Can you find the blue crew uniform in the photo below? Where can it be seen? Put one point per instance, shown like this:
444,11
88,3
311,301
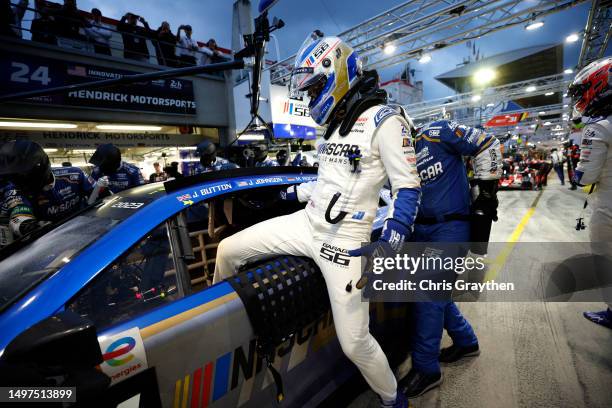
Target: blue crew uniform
267,163
68,194
443,217
218,165
127,176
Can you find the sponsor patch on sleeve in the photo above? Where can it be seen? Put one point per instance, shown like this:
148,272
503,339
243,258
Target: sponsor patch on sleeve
383,114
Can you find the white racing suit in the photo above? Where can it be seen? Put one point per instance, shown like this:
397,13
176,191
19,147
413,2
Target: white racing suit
595,166
383,138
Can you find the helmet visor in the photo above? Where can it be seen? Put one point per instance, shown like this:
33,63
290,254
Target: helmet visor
302,76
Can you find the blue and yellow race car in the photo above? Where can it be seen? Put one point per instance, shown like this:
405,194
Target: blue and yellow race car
124,289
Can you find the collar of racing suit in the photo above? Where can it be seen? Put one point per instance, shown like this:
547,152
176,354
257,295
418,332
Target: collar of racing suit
362,97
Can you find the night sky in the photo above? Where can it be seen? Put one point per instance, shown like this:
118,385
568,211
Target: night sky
213,19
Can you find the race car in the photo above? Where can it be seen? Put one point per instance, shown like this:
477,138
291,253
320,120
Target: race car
118,301
517,175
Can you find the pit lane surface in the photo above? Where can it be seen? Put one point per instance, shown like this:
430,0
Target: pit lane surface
533,354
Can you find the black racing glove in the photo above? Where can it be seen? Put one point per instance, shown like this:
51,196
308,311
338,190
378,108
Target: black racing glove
486,198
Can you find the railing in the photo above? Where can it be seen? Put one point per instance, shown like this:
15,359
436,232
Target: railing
45,29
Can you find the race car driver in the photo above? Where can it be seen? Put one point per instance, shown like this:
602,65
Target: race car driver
209,161
444,215
591,90
363,146
112,172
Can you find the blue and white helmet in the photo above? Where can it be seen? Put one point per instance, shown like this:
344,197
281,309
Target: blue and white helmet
326,68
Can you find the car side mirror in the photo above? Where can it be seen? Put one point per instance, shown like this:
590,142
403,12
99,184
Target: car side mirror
65,339
62,350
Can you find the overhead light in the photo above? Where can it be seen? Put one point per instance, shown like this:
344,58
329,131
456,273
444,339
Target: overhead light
50,150
484,76
45,125
565,106
534,25
84,151
534,125
490,105
542,113
572,38
389,48
547,123
549,93
568,71
425,58
476,98
530,88
188,148
129,127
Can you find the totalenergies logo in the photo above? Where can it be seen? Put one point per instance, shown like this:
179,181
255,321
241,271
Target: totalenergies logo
119,348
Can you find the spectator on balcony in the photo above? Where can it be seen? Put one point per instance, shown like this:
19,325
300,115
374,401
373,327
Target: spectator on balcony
11,16
134,37
43,25
187,47
166,45
69,21
211,53
99,33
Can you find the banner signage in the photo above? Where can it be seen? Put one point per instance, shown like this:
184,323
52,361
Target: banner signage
20,73
511,119
89,140
291,117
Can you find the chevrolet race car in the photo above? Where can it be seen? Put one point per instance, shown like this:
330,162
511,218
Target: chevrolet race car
124,288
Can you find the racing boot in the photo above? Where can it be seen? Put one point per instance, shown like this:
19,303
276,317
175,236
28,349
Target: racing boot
400,402
455,353
603,318
417,383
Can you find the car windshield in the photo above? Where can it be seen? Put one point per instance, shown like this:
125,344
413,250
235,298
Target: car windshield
30,265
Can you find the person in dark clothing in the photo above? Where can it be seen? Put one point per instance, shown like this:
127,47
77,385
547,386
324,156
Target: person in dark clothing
134,37
166,46
69,21
172,170
7,18
43,25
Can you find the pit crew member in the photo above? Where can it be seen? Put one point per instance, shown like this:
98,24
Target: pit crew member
593,95
209,161
113,173
445,214
363,146
54,193
261,156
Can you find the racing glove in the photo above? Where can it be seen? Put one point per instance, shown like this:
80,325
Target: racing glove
486,201
393,236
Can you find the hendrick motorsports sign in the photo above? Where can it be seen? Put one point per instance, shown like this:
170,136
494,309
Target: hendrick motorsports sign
20,72
91,139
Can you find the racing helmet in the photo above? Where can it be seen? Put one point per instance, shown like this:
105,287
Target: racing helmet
107,158
207,152
326,68
591,90
26,164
